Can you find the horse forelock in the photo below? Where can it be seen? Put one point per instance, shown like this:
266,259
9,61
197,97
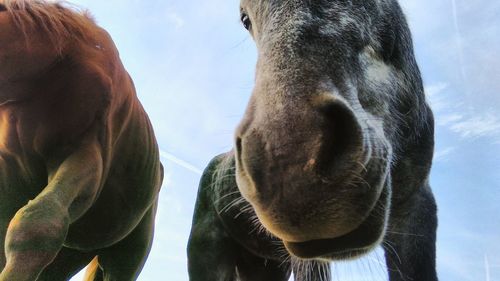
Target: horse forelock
60,21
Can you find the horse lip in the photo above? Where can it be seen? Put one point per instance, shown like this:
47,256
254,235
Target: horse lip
332,248
327,249
355,243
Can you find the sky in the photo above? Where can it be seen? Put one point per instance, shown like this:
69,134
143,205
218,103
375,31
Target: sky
193,66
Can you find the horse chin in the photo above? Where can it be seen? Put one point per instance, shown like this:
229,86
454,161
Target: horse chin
358,242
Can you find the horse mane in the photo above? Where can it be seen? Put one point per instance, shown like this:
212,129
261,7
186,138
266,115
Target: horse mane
60,21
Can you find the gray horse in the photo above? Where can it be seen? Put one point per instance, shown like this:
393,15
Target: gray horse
332,156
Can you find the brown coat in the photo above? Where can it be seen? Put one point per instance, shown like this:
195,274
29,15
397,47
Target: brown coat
75,140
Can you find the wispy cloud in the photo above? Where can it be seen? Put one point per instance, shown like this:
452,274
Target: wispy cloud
460,118
436,96
435,89
449,119
487,125
442,155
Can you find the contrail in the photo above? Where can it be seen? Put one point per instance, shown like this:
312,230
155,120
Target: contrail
459,39
487,267
180,162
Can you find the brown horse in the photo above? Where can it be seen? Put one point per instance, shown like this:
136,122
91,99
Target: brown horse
79,163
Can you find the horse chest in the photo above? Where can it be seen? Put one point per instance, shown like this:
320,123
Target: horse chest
18,127
21,174
9,140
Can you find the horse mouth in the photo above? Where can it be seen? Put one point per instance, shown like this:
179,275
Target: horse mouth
353,244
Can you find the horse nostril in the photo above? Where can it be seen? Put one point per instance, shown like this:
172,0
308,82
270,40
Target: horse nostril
239,149
2,8
342,136
238,145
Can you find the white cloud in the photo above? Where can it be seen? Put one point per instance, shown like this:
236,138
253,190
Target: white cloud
442,155
436,96
448,119
435,89
460,118
487,125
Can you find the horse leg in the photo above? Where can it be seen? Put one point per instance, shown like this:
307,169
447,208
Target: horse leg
38,230
3,228
94,271
34,237
409,244
67,263
211,258
252,268
211,251
125,260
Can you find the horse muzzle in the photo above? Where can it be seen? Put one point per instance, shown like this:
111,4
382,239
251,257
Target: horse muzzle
304,171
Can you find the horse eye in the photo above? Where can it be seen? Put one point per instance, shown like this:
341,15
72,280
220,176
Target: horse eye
245,19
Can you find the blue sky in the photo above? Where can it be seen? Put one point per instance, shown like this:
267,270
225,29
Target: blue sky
193,65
